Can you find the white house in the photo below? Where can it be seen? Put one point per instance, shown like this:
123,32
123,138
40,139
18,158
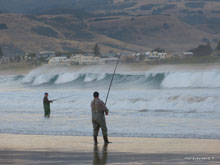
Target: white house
162,55
59,60
154,55
187,54
4,60
86,60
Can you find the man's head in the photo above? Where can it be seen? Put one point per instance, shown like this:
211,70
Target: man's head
46,94
96,94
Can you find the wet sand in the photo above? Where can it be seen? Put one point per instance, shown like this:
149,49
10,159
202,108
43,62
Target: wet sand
40,149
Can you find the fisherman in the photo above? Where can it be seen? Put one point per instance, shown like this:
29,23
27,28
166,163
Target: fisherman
47,105
99,110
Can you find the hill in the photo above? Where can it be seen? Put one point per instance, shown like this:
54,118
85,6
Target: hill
72,25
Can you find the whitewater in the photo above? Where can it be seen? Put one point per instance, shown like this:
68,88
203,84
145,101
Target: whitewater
180,102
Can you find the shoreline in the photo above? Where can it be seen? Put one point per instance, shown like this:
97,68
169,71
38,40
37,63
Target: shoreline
40,149
117,136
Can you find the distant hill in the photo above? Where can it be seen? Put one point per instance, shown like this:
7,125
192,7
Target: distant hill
25,33
41,6
76,25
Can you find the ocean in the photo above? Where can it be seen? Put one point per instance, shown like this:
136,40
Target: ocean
157,101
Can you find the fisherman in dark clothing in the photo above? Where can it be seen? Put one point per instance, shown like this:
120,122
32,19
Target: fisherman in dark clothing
47,105
99,110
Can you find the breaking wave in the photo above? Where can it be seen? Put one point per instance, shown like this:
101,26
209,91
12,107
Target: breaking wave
171,79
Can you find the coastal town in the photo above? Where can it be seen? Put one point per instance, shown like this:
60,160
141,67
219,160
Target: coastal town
52,58
95,57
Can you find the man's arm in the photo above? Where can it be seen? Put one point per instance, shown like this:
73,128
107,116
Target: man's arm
104,108
47,101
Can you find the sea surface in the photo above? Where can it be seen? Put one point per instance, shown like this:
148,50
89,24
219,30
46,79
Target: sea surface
161,101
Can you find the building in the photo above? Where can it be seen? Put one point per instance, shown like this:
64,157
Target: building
162,55
59,61
78,59
187,54
86,60
140,56
110,60
46,54
4,60
154,55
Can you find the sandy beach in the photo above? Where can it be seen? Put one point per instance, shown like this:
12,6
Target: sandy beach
42,149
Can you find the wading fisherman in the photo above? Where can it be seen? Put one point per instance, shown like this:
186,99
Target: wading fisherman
47,105
99,110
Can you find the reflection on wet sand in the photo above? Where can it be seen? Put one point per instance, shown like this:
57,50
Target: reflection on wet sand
100,159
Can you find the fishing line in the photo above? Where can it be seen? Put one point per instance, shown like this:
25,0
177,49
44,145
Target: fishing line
62,98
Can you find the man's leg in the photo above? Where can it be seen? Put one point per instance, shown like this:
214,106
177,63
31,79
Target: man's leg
45,112
48,112
96,127
104,130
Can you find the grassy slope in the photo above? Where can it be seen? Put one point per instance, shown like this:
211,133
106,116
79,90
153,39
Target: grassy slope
19,34
141,32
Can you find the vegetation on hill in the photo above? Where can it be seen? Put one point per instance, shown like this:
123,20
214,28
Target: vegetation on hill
96,50
72,25
163,8
3,26
195,4
45,31
1,53
149,6
202,50
218,46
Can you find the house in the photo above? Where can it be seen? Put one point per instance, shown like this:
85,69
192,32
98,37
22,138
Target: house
162,55
154,55
140,56
86,60
187,54
4,60
46,54
59,61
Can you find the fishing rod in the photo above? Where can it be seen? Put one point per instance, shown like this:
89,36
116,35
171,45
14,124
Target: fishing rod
113,76
62,98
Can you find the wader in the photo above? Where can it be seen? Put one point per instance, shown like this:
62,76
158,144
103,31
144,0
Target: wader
46,109
98,121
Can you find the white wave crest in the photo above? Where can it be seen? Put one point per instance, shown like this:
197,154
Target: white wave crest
207,79
41,79
66,77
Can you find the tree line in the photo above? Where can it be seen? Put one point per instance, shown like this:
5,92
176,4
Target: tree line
206,49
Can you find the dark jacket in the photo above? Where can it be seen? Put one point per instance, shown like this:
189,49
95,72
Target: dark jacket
46,103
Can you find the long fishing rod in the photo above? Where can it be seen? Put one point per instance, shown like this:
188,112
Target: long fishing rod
113,77
62,98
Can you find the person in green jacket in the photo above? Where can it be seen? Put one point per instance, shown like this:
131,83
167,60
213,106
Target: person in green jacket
47,105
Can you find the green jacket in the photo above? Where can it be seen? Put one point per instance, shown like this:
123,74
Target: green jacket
46,103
